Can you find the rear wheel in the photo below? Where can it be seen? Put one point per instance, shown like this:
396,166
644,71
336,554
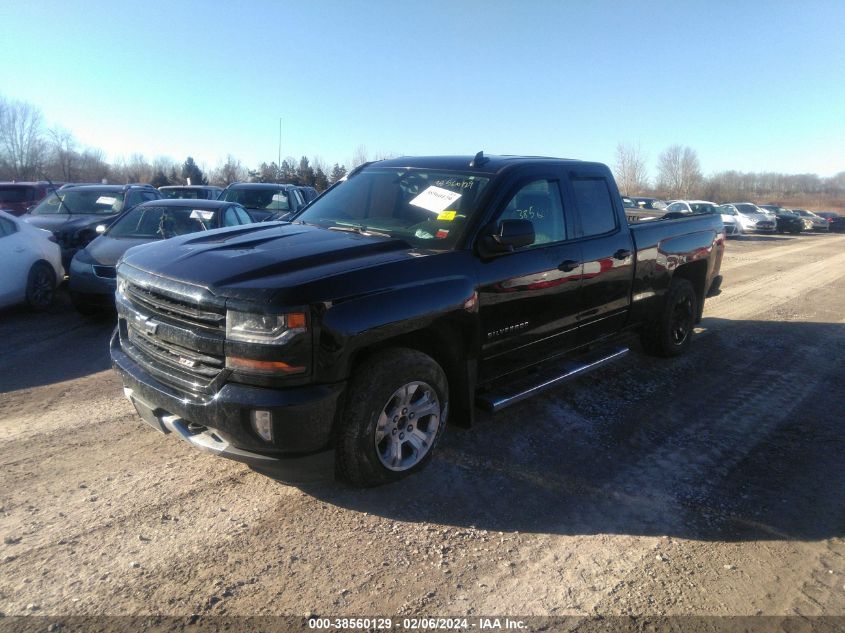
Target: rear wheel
671,333
40,286
396,410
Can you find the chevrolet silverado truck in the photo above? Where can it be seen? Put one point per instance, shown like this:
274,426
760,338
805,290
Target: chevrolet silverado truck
404,297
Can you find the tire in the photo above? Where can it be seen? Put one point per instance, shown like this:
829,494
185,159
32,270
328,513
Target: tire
40,286
671,334
84,308
396,410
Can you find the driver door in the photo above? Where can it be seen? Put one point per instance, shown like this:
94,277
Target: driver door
529,298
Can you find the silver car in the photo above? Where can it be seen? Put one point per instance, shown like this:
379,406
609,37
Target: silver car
754,218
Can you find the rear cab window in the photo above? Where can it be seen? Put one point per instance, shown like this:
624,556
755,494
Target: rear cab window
594,204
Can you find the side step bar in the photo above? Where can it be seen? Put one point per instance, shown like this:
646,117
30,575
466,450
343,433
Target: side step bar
500,397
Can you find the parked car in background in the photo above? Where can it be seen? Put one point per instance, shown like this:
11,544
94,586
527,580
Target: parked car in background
650,203
680,208
193,192
263,199
786,220
308,193
812,222
92,271
754,218
73,212
31,261
836,223
17,197
628,203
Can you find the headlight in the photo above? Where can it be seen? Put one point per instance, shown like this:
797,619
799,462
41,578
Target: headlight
263,328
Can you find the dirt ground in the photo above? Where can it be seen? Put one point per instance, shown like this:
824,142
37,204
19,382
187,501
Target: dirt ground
709,485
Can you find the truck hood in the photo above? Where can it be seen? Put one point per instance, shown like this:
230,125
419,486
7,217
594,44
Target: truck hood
267,256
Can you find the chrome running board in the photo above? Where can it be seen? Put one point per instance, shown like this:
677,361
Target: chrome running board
498,397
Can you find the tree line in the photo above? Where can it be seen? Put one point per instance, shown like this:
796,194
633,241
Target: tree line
679,176
31,151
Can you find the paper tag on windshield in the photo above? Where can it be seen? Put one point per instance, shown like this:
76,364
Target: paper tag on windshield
106,200
435,199
199,214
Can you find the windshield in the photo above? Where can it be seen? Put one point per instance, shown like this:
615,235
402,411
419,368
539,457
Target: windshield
629,204
726,210
429,209
269,199
162,222
703,207
747,209
192,194
95,201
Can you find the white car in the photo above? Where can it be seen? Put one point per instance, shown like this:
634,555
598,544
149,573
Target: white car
31,262
729,216
754,218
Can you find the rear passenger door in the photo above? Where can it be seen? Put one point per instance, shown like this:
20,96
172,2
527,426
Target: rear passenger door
528,299
607,251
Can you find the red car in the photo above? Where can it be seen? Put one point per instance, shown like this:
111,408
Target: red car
17,197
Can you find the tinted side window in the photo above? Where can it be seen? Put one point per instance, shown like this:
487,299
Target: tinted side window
242,215
230,217
540,202
595,206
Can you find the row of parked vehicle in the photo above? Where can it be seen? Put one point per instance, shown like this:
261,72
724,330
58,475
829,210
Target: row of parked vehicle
49,230
87,227
739,218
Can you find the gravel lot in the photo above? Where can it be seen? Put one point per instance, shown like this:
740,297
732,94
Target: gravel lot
712,484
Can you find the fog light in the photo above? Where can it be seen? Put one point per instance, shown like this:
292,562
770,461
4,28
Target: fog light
262,422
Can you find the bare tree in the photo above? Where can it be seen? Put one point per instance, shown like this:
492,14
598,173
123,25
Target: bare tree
679,172
64,157
359,157
228,172
22,146
630,169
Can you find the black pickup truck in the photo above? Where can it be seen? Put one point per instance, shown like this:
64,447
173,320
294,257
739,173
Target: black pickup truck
406,295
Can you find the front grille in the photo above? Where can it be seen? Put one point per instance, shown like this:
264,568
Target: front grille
204,367
175,338
109,272
180,311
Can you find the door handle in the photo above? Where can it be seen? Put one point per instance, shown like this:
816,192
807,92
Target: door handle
568,265
622,253
20,249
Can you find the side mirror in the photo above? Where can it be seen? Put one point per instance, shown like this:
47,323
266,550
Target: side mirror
101,228
507,237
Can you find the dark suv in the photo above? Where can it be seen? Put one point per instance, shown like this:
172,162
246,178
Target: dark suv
17,197
73,212
264,199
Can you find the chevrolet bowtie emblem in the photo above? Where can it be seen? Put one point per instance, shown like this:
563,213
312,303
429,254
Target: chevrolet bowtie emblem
150,326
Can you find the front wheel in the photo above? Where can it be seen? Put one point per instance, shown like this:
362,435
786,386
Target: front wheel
395,413
671,333
40,286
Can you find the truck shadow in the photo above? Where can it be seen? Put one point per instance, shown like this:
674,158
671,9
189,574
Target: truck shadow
741,439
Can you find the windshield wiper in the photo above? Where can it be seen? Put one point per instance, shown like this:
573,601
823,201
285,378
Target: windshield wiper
360,230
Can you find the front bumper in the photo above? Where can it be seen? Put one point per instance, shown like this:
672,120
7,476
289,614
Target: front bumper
303,417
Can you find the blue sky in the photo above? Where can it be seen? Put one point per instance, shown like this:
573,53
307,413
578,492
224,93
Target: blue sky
754,86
